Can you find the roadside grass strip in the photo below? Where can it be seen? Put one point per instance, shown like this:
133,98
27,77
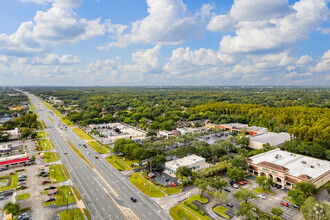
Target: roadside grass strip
80,154
23,196
76,193
56,173
178,213
220,210
97,147
50,119
66,121
194,209
50,157
88,215
75,214
117,163
65,171
82,134
127,161
41,134
171,190
289,200
45,144
145,186
63,196
41,125
260,190
8,182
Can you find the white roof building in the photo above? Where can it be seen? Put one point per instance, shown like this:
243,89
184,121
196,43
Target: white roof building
193,162
274,139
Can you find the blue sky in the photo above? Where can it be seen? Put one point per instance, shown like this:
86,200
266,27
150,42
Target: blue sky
164,42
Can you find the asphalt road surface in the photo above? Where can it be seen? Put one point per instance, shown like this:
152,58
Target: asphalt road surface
103,190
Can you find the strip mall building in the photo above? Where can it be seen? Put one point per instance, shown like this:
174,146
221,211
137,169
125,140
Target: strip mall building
286,169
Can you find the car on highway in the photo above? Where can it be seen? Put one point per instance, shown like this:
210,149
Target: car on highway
173,183
85,146
96,157
133,199
46,181
261,196
284,203
64,152
230,205
87,153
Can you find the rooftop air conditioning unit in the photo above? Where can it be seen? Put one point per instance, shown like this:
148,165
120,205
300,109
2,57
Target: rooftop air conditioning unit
312,166
304,162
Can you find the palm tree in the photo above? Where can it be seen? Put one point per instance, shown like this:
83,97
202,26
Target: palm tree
264,182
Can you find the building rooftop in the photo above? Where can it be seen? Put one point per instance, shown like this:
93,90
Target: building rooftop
241,126
297,165
186,161
272,138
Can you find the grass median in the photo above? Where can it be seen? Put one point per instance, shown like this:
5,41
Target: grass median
41,134
23,196
145,186
82,134
65,171
178,213
80,154
75,214
8,182
56,173
260,190
187,204
220,210
97,147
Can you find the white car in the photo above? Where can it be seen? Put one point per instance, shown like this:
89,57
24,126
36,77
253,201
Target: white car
261,196
87,153
235,186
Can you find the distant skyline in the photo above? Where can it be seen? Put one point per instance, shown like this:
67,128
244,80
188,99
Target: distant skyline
164,43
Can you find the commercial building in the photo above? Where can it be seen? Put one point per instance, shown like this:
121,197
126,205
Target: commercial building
213,126
14,160
250,130
193,162
286,169
274,139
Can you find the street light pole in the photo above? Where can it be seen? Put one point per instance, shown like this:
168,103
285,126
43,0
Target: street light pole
67,202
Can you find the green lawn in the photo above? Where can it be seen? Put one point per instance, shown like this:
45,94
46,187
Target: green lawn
259,190
61,196
199,198
80,154
65,171
145,186
75,214
289,200
220,210
97,147
87,214
171,190
41,134
189,200
117,163
12,182
127,161
23,196
179,213
56,173
82,134
51,156
46,144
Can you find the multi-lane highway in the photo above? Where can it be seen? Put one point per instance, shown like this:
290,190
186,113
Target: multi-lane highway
105,191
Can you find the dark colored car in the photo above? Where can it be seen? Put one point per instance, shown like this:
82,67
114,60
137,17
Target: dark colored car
21,179
45,175
226,189
278,186
96,157
230,205
296,206
50,199
133,199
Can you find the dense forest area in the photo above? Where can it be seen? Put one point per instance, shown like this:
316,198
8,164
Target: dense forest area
7,101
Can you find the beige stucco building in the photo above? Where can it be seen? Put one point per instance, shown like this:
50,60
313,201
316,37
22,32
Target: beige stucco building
287,168
193,162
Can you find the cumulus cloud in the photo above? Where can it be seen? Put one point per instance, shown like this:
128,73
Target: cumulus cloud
52,59
63,3
306,59
264,26
323,66
168,22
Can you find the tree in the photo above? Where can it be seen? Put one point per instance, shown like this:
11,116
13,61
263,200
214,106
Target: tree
245,209
27,132
240,162
183,172
151,133
218,184
264,182
243,141
4,136
202,185
12,208
302,191
277,211
313,209
221,197
244,194
306,187
236,174
158,161
297,196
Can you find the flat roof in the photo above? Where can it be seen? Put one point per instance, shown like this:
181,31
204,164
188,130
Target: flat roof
185,161
296,163
272,138
8,162
240,126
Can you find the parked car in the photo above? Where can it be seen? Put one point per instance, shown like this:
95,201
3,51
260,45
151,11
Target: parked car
2,197
22,176
11,173
226,189
235,186
241,182
42,172
21,179
296,206
133,199
21,183
230,205
283,188
50,199
173,183
46,181
278,186
151,175
261,196
275,185
45,175
284,203
52,187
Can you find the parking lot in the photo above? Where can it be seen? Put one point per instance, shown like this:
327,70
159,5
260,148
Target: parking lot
162,177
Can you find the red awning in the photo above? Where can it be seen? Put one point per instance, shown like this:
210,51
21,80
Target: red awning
14,161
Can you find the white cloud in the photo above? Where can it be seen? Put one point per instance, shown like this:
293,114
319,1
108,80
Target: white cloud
63,3
306,59
52,59
168,22
263,30
323,66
